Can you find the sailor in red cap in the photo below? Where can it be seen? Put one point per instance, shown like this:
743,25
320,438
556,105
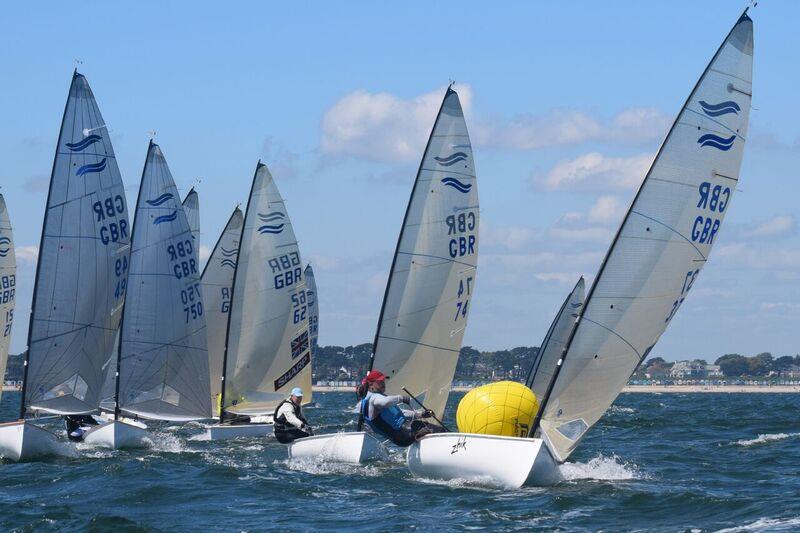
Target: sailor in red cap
384,415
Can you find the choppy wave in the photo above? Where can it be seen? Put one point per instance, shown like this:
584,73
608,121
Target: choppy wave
766,524
763,438
601,468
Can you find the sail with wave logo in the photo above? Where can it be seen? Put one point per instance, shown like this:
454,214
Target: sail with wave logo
8,284
191,205
268,346
82,271
661,247
217,281
163,360
313,308
432,278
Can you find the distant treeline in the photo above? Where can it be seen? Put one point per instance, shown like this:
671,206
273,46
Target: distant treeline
346,363
736,365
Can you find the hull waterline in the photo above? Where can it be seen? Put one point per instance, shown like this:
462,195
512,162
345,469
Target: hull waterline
22,441
355,448
117,434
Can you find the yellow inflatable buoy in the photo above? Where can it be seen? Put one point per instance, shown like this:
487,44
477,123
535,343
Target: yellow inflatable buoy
504,408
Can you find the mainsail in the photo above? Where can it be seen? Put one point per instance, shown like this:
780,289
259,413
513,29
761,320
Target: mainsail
217,281
432,277
661,246
163,361
555,342
83,265
191,205
267,347
8,284
313,309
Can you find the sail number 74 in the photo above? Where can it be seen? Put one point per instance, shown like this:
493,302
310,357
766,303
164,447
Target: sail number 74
464,289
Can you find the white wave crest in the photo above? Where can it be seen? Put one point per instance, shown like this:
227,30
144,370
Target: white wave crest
766,524
620,409
319,466
766,437
601,468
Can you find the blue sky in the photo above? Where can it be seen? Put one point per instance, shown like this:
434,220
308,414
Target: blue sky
566,104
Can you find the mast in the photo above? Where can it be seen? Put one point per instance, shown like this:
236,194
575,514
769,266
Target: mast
122,316
613,245
399,240
233,287
25,364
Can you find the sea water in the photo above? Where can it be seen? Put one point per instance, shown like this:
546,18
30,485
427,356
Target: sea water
702,462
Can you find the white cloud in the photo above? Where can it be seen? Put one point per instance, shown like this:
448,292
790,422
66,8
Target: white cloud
595,171
324,262
778,226
588,235
204,253
510,237
561,127
606,210
382,126
26,255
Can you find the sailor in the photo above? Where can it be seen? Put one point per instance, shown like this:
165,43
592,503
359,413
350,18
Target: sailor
290,424
78,425
383,414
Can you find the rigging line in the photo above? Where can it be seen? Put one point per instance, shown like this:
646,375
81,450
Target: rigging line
671,229
445,259
614,332
419,343
715,121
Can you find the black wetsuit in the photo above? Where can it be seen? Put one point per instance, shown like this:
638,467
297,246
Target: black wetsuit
284,431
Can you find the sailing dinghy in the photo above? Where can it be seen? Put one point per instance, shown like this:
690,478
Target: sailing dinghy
655,258
217,282
430,286
80,278
8,284
267,347
162,360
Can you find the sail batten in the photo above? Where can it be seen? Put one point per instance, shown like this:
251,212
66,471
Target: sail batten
81,275
433,272
267,348
163,359
660,247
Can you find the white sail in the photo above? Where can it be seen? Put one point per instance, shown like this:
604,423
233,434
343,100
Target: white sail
217,281
313,309
163,360
83,265
109,390
267,349
432,278
8,284
555,342
191,205
662,245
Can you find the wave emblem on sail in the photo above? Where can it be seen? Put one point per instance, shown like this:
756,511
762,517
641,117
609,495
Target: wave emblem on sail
5,246
451,159
715,141
160,200
166,218
92,168
723,108
84,143
457,185
274,222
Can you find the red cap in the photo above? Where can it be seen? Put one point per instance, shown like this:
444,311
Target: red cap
375,375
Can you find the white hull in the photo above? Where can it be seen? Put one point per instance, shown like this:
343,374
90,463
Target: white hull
117,434
21,440
487,459
238,431
355,447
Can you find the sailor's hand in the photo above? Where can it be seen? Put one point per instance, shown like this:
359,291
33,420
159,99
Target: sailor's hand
406,399
307,429
427,413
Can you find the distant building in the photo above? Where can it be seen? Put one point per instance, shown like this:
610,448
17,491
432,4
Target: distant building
714,371
791,372
688,370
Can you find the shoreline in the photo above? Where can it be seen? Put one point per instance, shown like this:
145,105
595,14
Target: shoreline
645,389
632,389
